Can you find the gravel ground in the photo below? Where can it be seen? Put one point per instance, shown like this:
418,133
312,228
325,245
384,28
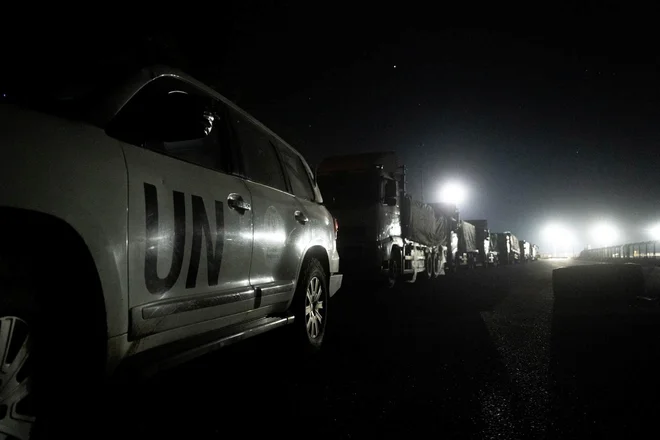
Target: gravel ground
487,354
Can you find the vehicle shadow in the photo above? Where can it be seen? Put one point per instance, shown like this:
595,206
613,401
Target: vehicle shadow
416,359
605,354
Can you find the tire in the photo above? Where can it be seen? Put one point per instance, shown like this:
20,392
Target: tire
40,402
452,265
311,306
429,266
17,413
434,263
394,274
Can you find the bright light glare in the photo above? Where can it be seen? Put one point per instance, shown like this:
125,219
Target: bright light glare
453,192
559,235
604,234
556,232
655,232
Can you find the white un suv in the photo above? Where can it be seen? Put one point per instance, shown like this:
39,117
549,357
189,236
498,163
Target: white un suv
144,227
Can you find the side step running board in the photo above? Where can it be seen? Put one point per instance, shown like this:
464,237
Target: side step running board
188,349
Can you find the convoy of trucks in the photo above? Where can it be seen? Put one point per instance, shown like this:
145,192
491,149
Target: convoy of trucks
384,232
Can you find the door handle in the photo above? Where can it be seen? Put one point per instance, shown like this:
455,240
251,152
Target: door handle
301,217
236,202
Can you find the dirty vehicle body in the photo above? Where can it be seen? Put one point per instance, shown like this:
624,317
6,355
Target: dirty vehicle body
173,224
487,254
382,231
508,247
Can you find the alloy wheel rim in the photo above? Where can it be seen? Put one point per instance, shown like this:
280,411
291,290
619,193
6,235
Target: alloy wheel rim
16,414
314,310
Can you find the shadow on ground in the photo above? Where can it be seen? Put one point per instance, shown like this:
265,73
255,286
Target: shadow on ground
415,359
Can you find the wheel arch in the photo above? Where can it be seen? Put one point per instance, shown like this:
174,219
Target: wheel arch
30,230
321,254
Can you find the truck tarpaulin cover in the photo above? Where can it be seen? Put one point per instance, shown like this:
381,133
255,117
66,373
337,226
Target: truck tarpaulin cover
481,227
515,245
493,242
445,209
467,237
424,226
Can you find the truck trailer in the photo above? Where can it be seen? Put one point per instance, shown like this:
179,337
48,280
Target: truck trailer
468,249
525,251
508,247
487,254
382,230
535,252
449,211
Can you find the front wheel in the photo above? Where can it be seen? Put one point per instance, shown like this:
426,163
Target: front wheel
17,415
394,272
437,266
311,305
429,265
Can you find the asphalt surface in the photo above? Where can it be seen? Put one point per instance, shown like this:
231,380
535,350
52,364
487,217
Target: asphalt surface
486,354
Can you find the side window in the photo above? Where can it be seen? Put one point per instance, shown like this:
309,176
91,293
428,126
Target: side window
388,189
298,175
173,118
259,156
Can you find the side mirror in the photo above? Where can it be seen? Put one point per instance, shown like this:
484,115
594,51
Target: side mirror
390,201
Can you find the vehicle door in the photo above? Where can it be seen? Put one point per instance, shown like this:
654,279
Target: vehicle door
189,218
319,221
281,229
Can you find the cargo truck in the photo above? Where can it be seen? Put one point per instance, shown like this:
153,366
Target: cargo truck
467,249
382,230
525,251
535,252
449,211
508,247
487,254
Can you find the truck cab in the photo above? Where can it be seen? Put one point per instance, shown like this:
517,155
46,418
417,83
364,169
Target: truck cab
382,230
364,192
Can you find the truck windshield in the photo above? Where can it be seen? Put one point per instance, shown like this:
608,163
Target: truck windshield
348,190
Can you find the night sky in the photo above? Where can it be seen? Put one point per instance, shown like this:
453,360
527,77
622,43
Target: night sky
554,124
